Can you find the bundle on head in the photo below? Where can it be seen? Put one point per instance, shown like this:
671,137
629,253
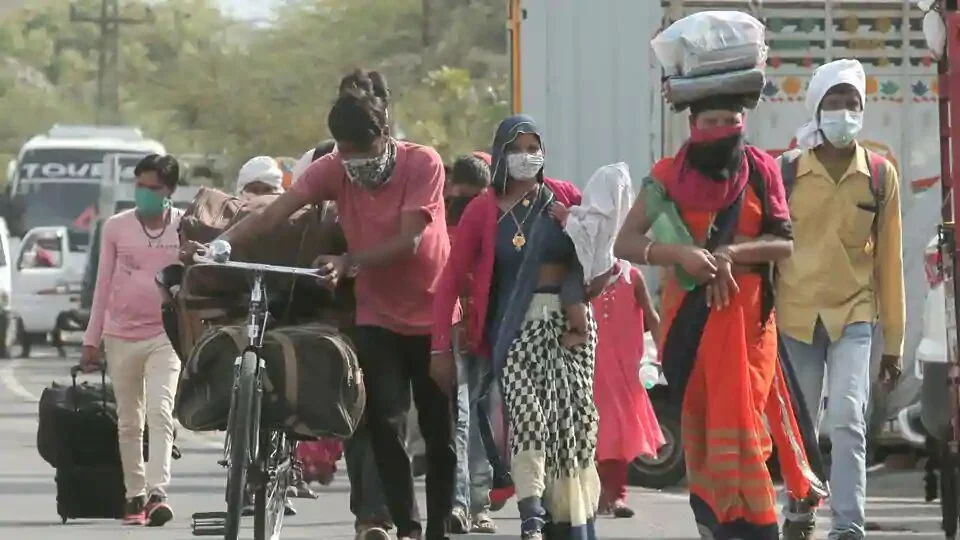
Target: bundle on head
712,53
681,93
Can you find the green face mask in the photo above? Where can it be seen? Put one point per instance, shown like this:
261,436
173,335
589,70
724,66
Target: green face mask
149,203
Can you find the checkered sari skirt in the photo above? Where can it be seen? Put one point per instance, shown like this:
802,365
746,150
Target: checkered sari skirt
548,392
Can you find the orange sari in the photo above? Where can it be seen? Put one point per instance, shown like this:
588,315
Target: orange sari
736,404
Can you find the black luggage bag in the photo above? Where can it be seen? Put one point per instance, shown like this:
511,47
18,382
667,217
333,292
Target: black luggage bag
78,435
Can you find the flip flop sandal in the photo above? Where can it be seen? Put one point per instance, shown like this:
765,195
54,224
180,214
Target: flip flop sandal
484,525
373,533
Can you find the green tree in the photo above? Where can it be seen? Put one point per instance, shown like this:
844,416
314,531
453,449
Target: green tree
201,82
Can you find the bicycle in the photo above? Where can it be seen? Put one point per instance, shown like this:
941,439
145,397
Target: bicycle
258,456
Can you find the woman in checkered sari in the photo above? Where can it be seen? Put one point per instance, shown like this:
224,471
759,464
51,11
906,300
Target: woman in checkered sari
528,297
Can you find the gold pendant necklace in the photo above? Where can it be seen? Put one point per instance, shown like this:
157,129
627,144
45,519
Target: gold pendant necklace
519,240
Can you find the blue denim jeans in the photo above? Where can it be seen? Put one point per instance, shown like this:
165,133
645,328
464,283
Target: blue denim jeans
474,475
846,363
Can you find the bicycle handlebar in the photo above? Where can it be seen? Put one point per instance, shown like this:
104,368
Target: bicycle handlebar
256,267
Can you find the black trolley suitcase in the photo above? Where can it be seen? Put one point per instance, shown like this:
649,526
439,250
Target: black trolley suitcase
77,434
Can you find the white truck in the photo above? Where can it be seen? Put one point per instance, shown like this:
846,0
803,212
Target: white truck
53,198
586,73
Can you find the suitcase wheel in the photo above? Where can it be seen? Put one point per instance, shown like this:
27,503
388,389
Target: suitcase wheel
63,519
61,513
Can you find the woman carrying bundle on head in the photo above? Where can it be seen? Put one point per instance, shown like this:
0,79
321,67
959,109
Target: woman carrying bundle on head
721,222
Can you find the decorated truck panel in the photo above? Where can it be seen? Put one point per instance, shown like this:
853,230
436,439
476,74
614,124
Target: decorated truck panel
587,75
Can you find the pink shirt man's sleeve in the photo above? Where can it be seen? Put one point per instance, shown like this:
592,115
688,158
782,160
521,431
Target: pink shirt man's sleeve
319,182
104,285
424,191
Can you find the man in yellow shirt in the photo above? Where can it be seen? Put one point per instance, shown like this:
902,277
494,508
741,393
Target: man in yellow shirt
845,275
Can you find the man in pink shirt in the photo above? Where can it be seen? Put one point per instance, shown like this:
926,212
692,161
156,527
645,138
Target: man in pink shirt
389,196
136,244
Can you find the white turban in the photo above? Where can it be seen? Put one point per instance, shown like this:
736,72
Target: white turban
263,169
824,78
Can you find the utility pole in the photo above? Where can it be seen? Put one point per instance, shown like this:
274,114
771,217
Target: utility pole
426,7
108,76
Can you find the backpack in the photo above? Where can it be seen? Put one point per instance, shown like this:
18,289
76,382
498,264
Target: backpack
790,160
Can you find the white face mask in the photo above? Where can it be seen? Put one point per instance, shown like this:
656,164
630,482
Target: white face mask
524,166
841,127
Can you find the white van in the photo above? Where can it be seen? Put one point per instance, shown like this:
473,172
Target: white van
48,279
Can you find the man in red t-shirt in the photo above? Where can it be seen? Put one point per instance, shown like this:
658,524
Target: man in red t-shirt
389,197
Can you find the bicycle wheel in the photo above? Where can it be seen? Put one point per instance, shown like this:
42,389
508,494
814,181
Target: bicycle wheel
276,455
244,426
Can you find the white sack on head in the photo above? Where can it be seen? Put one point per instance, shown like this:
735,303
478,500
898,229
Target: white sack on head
594,224
824,78
709,42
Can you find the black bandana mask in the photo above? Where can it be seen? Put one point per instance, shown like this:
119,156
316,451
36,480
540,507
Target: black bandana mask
718,160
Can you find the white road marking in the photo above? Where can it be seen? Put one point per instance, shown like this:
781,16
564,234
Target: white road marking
8,379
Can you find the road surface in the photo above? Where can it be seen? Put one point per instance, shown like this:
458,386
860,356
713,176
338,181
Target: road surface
27,494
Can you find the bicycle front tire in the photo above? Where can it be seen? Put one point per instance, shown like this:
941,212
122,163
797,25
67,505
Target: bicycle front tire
276,453
243,428
949,495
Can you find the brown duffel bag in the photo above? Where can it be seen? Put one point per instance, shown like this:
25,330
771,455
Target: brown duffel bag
186,316
314,386
307,233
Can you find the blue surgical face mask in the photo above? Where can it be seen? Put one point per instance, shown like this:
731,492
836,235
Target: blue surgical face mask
841,127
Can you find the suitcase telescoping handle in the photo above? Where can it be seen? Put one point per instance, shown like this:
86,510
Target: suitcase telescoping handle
77,370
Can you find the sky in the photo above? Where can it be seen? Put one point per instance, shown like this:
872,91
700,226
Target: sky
248,9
